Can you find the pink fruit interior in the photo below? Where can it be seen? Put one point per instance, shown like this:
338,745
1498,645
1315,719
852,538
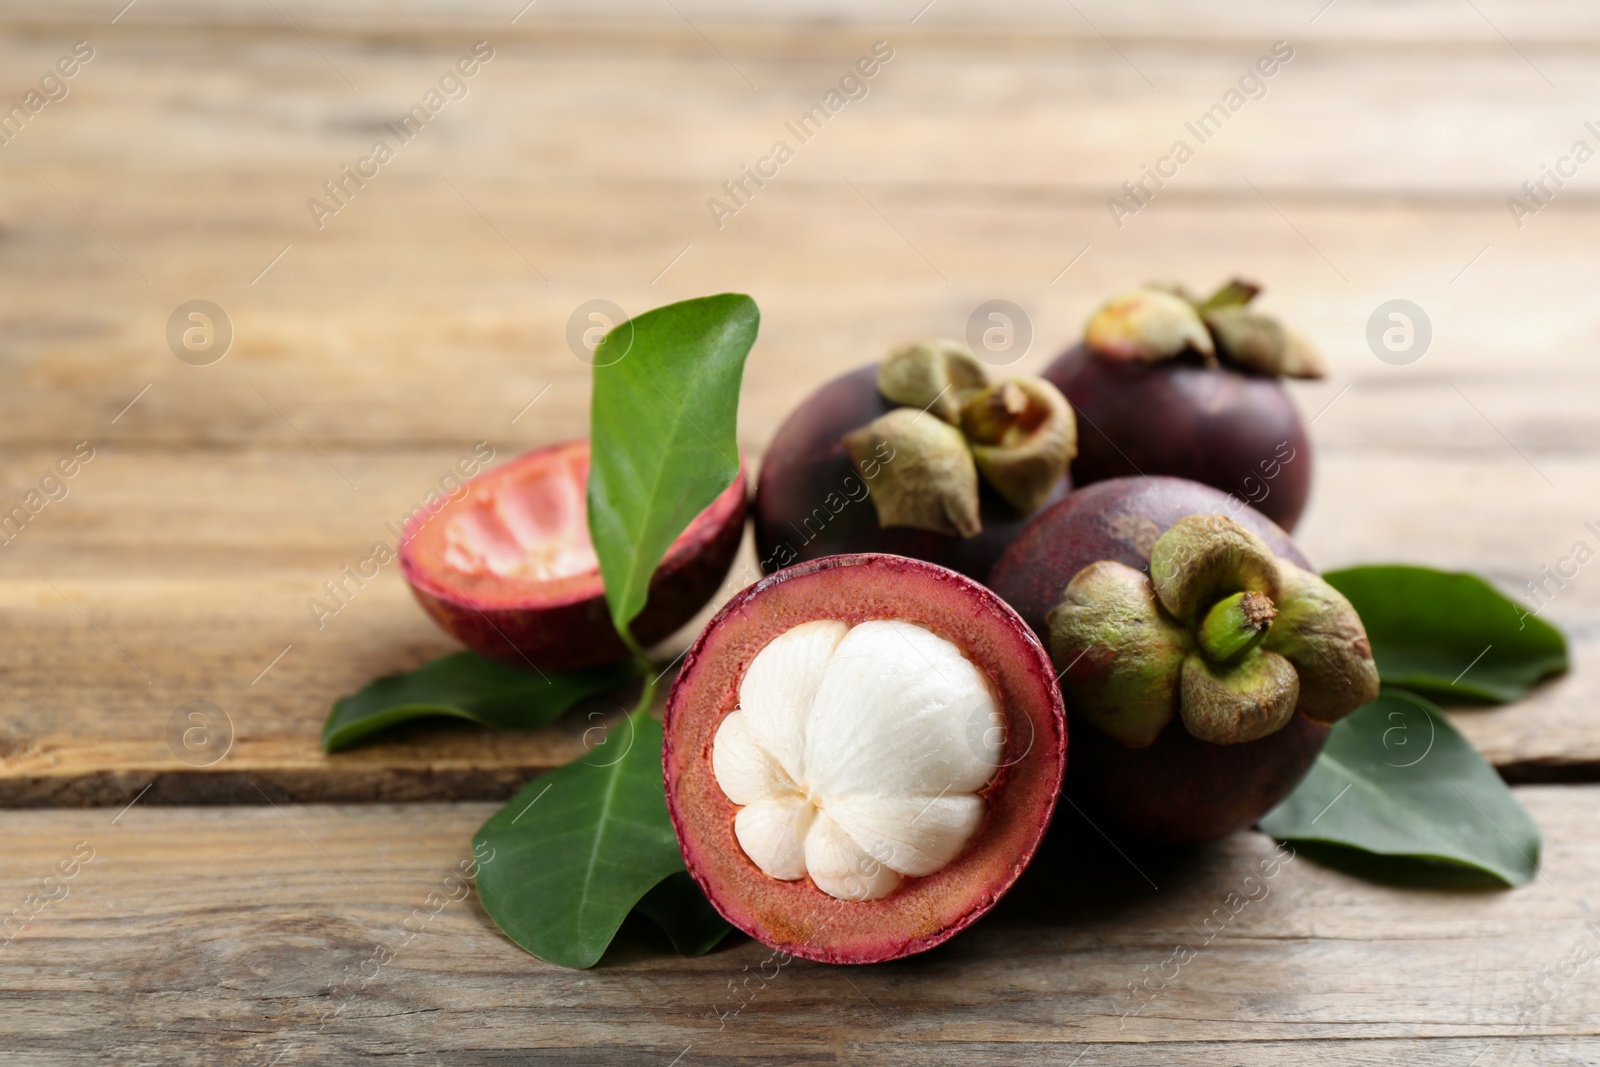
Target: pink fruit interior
797,916
530,525
519,536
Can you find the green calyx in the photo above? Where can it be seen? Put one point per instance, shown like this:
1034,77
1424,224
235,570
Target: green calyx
1244,701
952,427
1147,326
931,376
1220,634
1256,342
930,480
1119,653
1202,558
1023,434
1164,321
1319,632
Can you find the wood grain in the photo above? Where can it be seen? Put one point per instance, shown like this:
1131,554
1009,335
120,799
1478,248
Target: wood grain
104,654
425,316
430,311
195,935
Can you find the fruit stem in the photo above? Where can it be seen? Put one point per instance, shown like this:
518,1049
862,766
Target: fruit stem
646,669
647,695
1235,625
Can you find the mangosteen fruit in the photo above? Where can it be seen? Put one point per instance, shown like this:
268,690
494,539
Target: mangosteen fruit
1169,384
507,567
919,456
862,754
1202,660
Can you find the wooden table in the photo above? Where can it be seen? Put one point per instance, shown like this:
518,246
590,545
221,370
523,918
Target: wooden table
228,906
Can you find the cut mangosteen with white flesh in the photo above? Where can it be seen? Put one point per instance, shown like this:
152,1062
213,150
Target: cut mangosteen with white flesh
862,754
508,568
858,748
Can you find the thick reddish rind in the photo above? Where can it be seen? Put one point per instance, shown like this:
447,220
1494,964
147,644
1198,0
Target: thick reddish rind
1217,426
796,917
564,624
812,502
1179,788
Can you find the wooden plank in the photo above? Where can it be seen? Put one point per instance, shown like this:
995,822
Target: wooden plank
253,935
1563,22
201,178
1066,113
427,314
440,344
113,631
431,311
113,634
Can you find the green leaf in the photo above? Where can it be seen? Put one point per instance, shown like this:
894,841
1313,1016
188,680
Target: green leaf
577,848
1448,634
1397,780
684,915
467,686
580,848
662,442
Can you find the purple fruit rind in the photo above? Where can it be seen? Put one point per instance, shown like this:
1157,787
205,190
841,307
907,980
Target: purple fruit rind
812,502
1236,432
1178,789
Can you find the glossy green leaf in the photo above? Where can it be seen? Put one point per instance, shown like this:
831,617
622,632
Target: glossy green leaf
662,443
1450,635
1396,779
467,686
684,915
578,848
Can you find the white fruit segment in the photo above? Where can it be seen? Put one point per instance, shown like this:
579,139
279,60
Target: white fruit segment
533,528
856,755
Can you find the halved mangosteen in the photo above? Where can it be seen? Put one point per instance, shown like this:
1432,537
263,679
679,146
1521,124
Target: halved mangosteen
508,568
862,755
